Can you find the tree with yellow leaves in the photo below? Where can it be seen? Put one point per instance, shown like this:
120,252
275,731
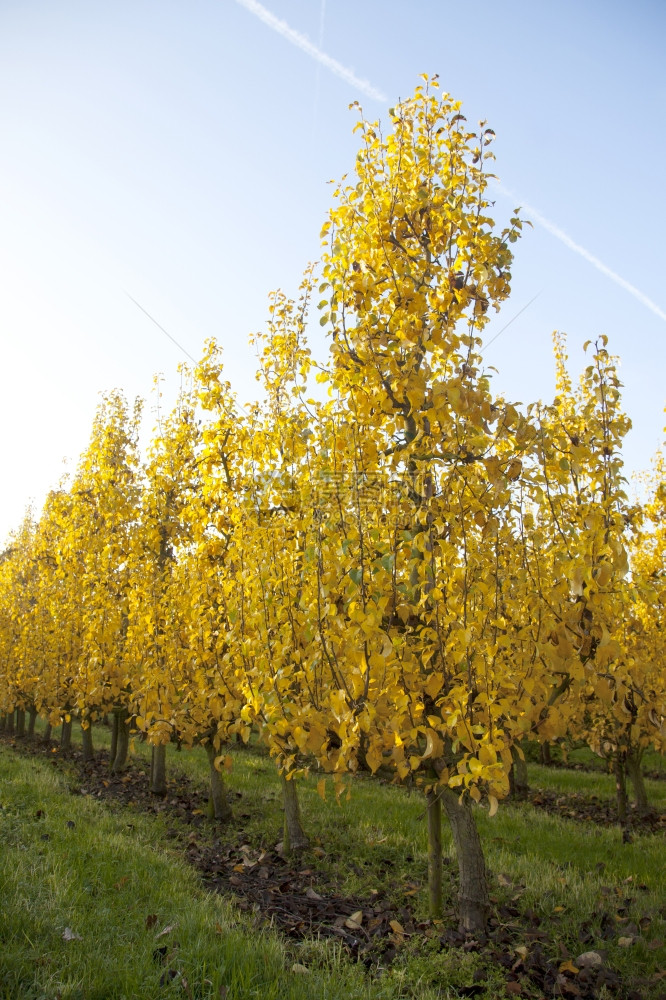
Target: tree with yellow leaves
179,612
393,651
95,544
595,635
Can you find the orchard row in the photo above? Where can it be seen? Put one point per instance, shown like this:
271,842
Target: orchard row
404,572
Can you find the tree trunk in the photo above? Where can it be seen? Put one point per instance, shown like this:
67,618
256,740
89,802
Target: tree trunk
635,773
48,729
295,838
20,722
10,722
473,897
520,784
66,735
122,750
218,796
620,786
434,813
113,749
158,785
87,741
32,719
545,754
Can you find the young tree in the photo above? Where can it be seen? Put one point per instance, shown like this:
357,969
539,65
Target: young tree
405,651
105,495
595,637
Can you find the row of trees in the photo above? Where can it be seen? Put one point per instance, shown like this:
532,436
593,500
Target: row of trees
410,573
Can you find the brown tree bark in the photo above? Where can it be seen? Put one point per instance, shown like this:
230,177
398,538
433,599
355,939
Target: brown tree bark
619,770
48,729
434,815
20,722
87,741
473,898
9,728
32,719
635,773
158,785
66,735
545,754
113,749
295,837
122,751
218,795
520,786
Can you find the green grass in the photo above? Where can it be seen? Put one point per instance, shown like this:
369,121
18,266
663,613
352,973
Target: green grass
104,879
591,783
567,873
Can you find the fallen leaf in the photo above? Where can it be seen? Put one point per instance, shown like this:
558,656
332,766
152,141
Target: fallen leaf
311,894
568,966
69,935
151,920
625,942
167,930
589,960
355,921
297,967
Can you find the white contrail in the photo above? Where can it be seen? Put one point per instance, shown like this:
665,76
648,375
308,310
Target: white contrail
577,248
304,43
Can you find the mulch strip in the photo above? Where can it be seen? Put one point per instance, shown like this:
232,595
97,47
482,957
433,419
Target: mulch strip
593,809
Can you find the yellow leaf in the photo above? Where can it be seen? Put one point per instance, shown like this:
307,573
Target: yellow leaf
433,685
568,966
434,745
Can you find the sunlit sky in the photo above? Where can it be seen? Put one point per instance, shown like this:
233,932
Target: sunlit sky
180,153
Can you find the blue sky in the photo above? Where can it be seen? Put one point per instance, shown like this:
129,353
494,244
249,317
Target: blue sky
180,154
